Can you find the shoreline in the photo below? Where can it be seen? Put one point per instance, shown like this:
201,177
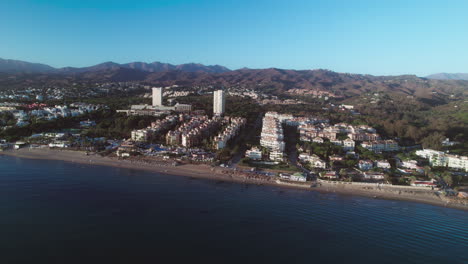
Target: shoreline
216,173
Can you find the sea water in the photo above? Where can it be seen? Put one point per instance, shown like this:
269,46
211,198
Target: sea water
60,212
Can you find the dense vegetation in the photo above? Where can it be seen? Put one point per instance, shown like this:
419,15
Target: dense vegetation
109,124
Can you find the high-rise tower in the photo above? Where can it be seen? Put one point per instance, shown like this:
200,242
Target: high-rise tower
157,96
219,102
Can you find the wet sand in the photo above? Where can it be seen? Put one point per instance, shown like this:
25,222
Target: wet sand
217,173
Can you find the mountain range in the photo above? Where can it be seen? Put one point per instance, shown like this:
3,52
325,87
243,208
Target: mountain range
18,74
448,76
16,66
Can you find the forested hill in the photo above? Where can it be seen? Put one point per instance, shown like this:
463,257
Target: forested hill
272,80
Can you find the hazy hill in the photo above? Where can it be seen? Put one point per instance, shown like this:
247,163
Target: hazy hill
12,66
15,66
448,76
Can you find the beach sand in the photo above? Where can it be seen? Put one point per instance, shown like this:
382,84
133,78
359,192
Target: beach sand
218,173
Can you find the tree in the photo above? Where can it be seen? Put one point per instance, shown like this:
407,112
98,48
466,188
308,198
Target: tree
427,170
387,178
431,175
447,177
343,173
457,179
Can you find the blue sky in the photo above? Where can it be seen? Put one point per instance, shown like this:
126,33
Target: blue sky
371,37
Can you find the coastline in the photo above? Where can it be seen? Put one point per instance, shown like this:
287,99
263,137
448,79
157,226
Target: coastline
208,172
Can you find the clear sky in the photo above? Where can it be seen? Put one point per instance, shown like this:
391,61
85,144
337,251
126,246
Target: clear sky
383,37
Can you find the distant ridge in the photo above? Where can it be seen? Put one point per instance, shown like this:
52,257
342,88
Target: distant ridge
448,76
17,66
273,80
13,66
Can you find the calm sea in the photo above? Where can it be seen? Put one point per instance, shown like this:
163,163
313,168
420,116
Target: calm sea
58,212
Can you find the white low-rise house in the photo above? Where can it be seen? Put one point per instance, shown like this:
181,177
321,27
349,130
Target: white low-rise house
410,164
254,154
383,164
317,140
330,175
19,144
447,143
348,144
59,144
304,157
430,184
337,142
316,162
313,160
365,165
374,176
276,155
299,177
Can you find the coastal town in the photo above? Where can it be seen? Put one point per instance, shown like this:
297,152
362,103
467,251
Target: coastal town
284,148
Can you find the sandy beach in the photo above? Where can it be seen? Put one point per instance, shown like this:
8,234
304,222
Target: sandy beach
217,173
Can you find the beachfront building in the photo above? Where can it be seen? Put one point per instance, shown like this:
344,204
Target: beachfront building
439,158
229,132
430,184
313,160
254,154
192,132
59,144
155,128
373,176
272,133
331,175
126,149
298,176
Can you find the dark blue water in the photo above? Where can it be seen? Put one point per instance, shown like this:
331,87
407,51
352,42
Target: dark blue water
57,212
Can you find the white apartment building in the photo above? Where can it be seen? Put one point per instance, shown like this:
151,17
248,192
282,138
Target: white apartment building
276,155
219,101
272,134
439,158
157,96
